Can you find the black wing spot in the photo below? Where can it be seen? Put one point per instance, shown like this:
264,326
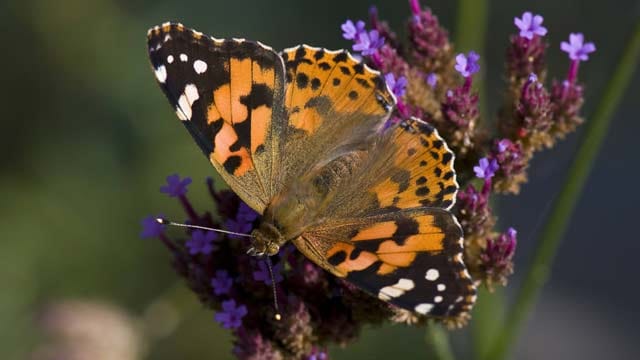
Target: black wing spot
421,180
337,258
324,66
315,84
353,95
345,70
342,57
300,53
302,80
422,191
336,82
364,83
232,164
319,54
446,158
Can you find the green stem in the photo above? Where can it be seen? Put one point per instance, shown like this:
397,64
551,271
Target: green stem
595,132
471,28
438,338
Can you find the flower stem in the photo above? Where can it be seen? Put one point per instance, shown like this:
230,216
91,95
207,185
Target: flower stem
471,27
564,205
438,338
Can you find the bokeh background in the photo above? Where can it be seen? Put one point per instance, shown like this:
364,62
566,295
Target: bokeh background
88,138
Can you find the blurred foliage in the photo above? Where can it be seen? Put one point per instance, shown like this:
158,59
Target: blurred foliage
88,138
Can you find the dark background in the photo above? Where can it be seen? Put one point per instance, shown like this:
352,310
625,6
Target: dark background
87,139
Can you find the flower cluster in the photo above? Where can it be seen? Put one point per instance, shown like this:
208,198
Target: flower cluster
430,81
439,89
316,308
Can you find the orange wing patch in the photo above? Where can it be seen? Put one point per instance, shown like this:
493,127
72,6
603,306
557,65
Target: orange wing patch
424,173
320,81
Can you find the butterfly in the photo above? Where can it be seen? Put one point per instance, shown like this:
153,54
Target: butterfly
300,136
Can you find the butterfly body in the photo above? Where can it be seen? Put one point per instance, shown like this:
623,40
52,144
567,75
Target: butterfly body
300,136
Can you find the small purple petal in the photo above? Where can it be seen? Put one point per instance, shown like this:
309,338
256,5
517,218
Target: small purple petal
201,242
432,80
231,315
262,274
175,187
351,30
530,25
397,86
222,283
486,169
151,227
467,65
576,48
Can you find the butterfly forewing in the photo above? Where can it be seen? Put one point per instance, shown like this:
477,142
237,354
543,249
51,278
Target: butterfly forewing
229,95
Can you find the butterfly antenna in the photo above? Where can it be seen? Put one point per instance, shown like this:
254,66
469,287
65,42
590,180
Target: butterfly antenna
273,287
169,222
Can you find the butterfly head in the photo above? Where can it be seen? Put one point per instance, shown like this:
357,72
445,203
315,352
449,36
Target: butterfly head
266,240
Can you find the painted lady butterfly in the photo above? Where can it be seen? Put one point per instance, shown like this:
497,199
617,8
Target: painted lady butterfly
300,137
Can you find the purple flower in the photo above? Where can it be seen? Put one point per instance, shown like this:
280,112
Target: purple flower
175,187
397,86
222,283
499,251
151,227
368,42
467,65
231,315
317,354
262,274
576,48
530,25
202,242
432,80
503,145
486,168
243,222
351,30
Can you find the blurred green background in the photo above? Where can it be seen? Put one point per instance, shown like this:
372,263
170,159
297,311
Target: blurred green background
88,139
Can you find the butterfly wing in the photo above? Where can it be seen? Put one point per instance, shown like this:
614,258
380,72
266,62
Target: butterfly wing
229,94
410,258
387,227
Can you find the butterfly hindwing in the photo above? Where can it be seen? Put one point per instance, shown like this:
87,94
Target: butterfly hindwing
410,258
229,95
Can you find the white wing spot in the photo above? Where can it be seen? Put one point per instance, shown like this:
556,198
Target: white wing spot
437,299
170,59
199,66
181,115
423,308
393,291
184,57
161,74
432,275
191,91
185,101
184,106
441,287
167,38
